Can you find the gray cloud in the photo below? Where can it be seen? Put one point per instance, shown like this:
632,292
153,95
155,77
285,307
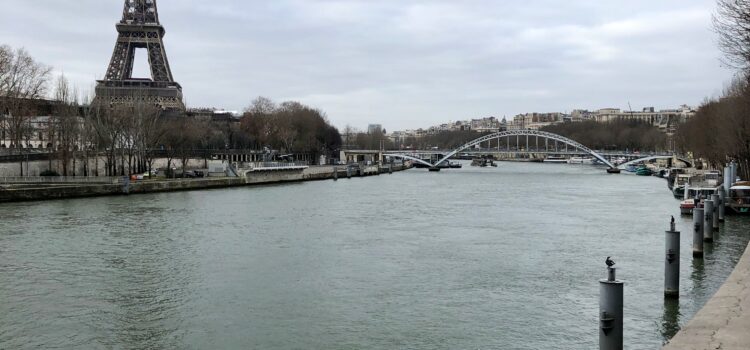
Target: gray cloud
401,63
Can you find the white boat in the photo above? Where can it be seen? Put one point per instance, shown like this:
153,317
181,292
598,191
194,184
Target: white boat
556,159
580,160
702,193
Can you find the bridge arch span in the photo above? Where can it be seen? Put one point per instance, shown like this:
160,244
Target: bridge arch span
646,159
535,133
413,159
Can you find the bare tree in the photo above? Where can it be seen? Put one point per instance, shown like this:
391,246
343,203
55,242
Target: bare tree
22,81
65,125
732,24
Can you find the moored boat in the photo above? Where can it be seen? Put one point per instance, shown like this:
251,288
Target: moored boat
580,160
678,189
556,159
694,197
644,171
483,162
739,198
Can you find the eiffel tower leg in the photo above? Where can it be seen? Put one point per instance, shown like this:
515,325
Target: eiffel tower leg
158,59
128,73
121,59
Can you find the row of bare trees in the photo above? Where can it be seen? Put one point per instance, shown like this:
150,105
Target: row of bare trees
23,80
619,134
720,131
124,139
290,127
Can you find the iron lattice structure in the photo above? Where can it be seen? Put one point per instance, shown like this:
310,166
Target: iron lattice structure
139,29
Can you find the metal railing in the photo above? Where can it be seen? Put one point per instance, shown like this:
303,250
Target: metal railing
59,180
260,165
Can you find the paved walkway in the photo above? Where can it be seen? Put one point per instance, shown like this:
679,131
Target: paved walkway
724,323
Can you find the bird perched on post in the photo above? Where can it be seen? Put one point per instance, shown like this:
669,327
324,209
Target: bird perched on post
609,262
673,219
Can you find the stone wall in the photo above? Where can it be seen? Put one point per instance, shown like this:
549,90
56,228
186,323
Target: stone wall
30,192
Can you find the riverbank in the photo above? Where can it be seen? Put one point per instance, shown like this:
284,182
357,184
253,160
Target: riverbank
724,321
49,191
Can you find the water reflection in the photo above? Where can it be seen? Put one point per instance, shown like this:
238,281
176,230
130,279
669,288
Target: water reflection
709,248
147,277
699,272
670,323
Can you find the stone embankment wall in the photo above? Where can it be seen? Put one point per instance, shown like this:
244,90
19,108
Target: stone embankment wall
31,192
724,323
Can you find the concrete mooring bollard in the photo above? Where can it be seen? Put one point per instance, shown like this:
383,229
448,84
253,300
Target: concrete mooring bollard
611,297
672,263
727,178
698,232
717,203
708,221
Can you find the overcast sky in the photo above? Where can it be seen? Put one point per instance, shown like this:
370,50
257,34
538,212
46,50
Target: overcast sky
404,64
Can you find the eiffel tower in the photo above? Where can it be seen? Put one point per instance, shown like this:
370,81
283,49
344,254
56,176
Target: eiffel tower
139,29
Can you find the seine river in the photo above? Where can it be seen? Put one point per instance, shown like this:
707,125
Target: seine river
497,258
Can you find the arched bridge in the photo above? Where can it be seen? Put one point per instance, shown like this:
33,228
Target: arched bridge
506,134
649,158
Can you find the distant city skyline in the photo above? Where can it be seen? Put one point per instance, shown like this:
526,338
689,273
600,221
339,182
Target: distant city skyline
402,65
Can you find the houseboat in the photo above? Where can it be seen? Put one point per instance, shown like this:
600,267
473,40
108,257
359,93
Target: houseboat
580,160
678,189
556,159
739,198
694,197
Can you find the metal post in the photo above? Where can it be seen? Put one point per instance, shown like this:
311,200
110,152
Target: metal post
708,221
717,203
672,264
335,174
698,232
611,297
723,204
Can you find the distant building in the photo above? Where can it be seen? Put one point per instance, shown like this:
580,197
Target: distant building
214,114
373,128
38,131
536,121
667,120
